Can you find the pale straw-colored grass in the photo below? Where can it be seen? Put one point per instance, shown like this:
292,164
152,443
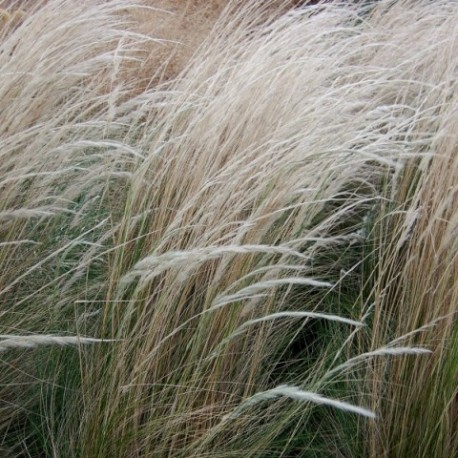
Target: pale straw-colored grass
31,341
256,251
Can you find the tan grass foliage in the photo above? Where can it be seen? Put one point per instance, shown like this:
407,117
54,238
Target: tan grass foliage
255,229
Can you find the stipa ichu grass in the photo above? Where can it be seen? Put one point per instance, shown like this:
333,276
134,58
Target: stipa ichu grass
260,254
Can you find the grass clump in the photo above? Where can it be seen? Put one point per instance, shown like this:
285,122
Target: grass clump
255,259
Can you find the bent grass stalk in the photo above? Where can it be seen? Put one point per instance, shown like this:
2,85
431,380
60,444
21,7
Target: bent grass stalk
275,225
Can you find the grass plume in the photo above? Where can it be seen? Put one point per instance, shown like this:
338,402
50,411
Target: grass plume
263,249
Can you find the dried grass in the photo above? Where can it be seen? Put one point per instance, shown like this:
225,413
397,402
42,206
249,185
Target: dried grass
277,223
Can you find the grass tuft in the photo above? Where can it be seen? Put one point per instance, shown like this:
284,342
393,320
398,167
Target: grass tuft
262,249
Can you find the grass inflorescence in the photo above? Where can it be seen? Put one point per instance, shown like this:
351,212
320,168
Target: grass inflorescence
255,258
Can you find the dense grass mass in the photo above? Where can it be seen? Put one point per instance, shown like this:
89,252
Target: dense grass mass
256,258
